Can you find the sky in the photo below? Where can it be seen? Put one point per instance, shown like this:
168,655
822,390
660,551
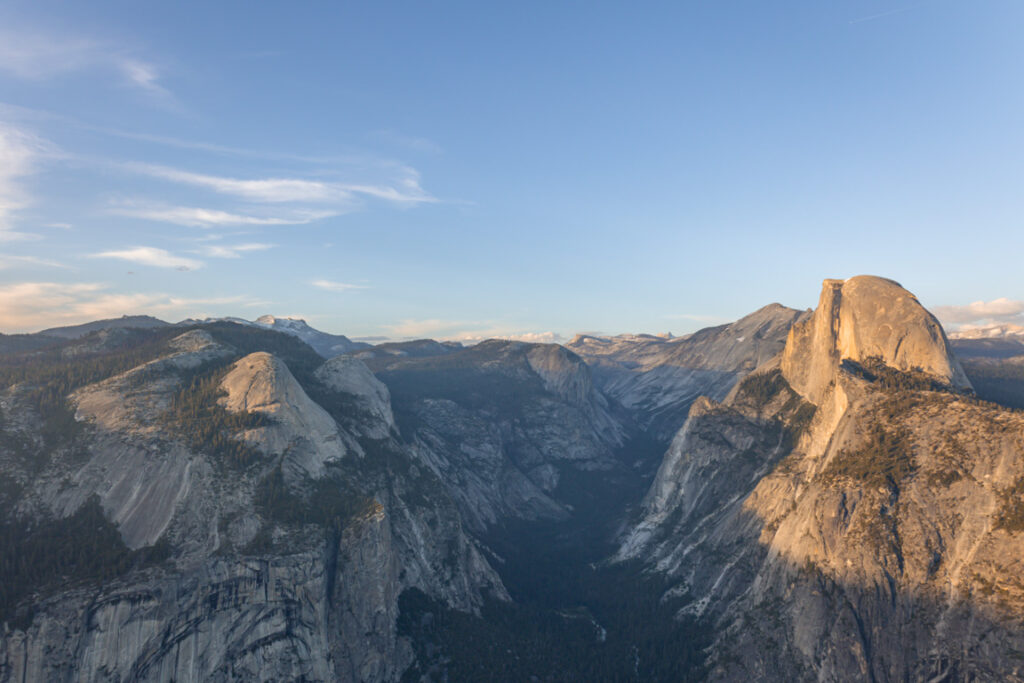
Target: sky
464,170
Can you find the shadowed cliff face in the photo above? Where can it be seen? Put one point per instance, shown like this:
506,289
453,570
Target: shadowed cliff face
502,424
656,379
287,515
838,520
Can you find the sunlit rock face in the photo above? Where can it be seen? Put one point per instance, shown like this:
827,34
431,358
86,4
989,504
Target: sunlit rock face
298,428
835,525
863,318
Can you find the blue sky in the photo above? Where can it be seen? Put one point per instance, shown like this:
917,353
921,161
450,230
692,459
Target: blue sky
465,170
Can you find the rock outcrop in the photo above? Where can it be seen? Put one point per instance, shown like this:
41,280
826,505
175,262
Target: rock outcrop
501,423
327,345
285,566
371,401
299,429
656,379
832,523
866,318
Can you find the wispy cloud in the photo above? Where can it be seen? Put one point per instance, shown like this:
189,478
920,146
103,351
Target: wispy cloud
1001,310
469,332
10,261
232,251
405,189
193,216
28,306
332,286
888,13
20,152
151,256
31,54
143,75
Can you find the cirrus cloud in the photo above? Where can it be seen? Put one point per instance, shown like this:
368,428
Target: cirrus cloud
20,152
332,286
404,189
151,256
35,55
197,217
233,250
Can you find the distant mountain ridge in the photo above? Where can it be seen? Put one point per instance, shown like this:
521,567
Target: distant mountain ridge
125,321
326,344
1001,331
657,378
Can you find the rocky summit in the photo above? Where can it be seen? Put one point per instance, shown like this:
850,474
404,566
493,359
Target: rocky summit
862,319
851,511
826,495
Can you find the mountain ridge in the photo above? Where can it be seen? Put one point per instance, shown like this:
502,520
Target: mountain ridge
843,513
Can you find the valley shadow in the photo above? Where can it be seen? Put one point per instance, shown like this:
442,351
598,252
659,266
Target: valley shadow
572,616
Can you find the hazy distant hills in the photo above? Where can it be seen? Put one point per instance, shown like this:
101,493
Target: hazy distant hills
1001,331
327,345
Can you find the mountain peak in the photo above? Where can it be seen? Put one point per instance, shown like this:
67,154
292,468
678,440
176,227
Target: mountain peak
273,320
862,318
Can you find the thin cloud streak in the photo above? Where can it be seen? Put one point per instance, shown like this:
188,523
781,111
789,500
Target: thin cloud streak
20,152
358,161
882,15
33,55
232,251
8,261
331,286
197,217
405,190
151,256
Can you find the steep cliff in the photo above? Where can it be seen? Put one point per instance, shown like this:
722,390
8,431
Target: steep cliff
298,430
865,318
847,512
502,424
255,536
657,379
369,413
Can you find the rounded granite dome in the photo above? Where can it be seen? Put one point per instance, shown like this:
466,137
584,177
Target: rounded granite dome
862,318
